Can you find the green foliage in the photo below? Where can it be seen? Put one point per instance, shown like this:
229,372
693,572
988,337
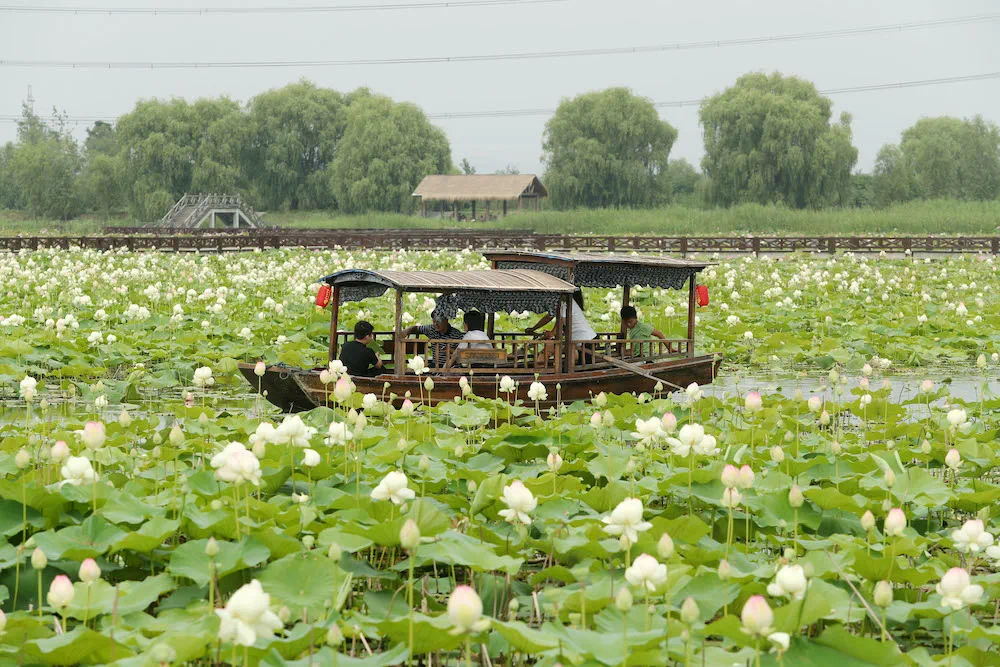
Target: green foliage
607,149
294,132
769,140
941,157
386,151
43,167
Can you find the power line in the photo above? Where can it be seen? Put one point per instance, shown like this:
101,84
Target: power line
529,55
292,9
507,113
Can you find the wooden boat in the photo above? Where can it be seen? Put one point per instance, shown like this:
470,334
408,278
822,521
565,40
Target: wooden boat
519,281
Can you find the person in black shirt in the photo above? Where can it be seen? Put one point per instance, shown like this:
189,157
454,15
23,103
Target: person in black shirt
359,359
439,329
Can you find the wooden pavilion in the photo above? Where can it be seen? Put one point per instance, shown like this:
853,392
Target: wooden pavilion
457,190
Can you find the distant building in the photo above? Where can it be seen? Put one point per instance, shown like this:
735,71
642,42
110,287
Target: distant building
502,190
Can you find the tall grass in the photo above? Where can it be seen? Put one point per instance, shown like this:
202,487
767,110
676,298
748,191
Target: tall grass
943,217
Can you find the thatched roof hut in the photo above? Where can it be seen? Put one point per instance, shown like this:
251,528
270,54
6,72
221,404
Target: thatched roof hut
459,189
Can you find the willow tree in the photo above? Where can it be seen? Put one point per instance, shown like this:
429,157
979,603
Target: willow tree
769,140
607,149
387,149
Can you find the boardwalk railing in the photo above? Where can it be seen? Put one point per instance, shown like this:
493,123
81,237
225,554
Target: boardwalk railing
436,239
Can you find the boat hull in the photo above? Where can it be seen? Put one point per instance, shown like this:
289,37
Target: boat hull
298,389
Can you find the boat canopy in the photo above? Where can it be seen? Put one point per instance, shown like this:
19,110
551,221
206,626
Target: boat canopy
601,270
487,291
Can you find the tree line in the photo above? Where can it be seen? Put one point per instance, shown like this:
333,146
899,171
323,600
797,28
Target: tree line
769,139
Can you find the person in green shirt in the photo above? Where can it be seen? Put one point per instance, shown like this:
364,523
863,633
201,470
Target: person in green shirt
637,330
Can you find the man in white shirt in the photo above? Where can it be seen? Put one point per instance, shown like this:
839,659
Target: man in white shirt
474,323
581,329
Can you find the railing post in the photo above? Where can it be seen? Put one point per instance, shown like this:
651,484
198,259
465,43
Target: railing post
995,245
684,245
755,245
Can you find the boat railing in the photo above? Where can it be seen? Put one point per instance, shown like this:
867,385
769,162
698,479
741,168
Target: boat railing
592,353
500,354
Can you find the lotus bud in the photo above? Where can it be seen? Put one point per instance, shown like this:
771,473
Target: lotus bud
833,375
429,384
730,476
886,505
334,552
777,454
61,592
334,637
554,462
308,541
953,459
409,535
981,361
177,435
795,497
725,571
38,559
22,459
789,436
836,448
59,452
513,606
689,611
788,554
203,419
124,419
595,421
883,594
815,404
216,505
284,614
889,477
746,477
623,600
630,466
925,447
212,548
156,452
157,438
895,522
424,464
360,423
665,547
757,616
260,368
89,571
472,486
352,416
824,418
798,394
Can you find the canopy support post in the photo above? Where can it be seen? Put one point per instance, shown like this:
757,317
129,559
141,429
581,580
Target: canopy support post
334,319
691,311
398,356
491,321
568,335
560,335
625,302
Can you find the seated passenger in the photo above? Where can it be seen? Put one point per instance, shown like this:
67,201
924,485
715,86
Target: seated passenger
358,358
581,331
474,322
439,329
636,330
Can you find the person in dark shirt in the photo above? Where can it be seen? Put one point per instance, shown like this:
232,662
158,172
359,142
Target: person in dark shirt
359,359
439,329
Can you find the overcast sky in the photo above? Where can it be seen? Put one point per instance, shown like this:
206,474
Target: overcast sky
491,143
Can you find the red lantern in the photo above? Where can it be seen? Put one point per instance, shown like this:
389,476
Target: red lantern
323,296
702,292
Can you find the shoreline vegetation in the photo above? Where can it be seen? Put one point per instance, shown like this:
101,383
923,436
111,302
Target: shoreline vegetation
937,217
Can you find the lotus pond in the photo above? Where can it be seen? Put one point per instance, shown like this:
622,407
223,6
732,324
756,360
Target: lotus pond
156,513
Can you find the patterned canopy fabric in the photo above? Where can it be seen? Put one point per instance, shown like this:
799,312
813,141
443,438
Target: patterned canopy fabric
610,275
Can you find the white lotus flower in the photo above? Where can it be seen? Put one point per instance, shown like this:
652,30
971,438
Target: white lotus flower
957,590
417,365
895,522
971,537
203,377
293,431
790,582
369,401
236,464
956,417
689,436
393,487
536,392
647,430
757,616
625,521
646,573
520,502
246,616
507,384
465,610
707,447
310,458
78,471
338,434
29,388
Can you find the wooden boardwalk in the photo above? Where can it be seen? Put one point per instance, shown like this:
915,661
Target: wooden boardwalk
207,240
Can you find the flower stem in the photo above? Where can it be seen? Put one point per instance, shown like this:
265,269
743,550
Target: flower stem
409,593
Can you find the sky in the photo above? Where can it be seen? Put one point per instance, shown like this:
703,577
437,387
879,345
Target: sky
492,143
